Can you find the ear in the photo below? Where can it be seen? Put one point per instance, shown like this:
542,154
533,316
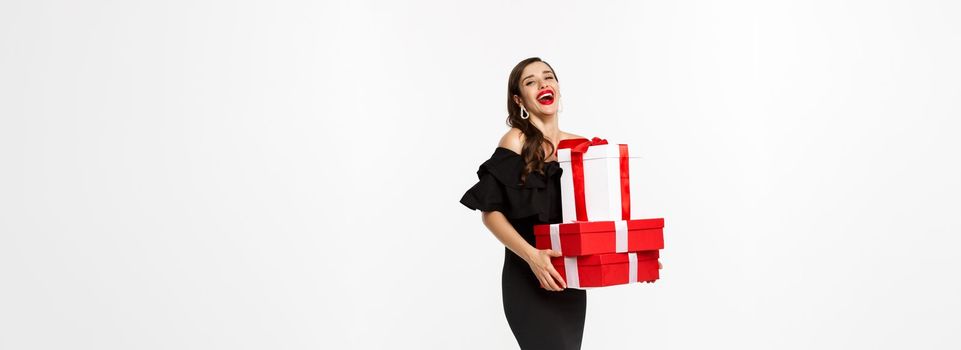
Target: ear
517,100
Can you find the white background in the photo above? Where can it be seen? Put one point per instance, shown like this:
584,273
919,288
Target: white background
286,175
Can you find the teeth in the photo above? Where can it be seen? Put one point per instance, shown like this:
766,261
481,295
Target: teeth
546,95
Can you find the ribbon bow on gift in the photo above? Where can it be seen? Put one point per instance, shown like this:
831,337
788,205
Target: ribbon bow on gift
580,145
578,148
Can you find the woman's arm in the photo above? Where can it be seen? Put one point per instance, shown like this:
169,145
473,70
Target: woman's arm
538,259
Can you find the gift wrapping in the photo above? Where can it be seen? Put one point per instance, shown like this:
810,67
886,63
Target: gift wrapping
595,183
599,237
602,270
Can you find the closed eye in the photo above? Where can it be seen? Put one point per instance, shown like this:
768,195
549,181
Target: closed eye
531,81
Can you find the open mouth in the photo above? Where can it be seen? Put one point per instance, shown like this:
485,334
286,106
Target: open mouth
545,97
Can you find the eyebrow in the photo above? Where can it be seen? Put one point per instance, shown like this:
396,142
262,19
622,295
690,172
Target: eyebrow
525,78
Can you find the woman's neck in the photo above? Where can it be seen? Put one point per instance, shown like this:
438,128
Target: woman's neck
548,126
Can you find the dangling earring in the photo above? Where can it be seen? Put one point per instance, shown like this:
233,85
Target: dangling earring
524,114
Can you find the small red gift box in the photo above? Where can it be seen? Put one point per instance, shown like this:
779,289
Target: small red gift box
600,237
601,270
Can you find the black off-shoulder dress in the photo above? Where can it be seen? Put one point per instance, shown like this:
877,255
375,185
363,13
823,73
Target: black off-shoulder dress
540,319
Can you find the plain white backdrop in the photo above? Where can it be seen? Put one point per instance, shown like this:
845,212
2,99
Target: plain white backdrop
286,175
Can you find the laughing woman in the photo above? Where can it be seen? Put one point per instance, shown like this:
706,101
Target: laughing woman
519,187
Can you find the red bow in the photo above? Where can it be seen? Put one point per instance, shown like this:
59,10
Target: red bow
580,145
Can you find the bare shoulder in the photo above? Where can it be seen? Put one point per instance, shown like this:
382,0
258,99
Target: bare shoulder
568,136
512,140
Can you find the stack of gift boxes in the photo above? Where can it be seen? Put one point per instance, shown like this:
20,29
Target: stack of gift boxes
599,242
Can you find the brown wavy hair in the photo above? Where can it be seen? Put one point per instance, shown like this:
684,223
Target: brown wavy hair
533,151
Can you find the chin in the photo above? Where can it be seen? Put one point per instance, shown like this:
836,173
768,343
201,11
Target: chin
548,111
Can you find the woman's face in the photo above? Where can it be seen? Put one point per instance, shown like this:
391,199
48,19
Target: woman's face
539,89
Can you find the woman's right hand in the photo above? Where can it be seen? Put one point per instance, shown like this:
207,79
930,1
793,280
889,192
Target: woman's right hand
540,263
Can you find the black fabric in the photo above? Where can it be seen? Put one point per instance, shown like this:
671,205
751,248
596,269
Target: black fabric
539,319
499,188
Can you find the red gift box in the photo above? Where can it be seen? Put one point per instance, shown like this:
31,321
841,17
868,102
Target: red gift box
601,270
600,237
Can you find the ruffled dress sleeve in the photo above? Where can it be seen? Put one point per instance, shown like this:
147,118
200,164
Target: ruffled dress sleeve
499,189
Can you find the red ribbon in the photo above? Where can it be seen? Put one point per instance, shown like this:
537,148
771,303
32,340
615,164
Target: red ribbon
578,148
625,183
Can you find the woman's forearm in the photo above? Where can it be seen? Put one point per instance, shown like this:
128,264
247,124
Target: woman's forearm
497,223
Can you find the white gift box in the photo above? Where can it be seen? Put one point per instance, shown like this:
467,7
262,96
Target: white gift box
602,181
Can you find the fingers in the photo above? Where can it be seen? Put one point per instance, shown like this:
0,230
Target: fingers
548,277
553,286
557,276
542,280
553,277
547,282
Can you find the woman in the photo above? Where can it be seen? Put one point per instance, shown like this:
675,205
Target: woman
518,187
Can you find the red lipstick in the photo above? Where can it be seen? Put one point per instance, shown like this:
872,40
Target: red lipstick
545,97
